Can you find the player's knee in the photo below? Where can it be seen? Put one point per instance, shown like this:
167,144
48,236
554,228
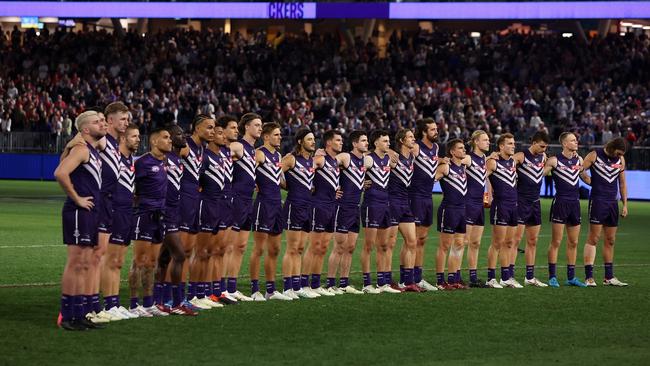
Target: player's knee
474,244
555,243
571,244
421,241
610,240
273,252
531,243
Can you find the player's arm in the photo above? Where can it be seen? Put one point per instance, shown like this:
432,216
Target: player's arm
415,150
367,163
319,161
259,157
490,166
288,162
393,156
589,160
551,163
78,140
622,186
343,159
467,161
77,156
441,171
518,158
236,150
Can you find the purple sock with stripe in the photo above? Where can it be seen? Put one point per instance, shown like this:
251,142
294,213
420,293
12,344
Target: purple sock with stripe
551,270
167,292
402,278
147,301
451,277
417,274
232,284
380,279
288,285
315,280
331,282
570,272
408,276
200,290
270,287
589,271
67,306
295,283
344,282
304,280
440,278
88,304
505,273
473,276
492,274
177,295
134,302
255,286
78,307
366,279
609,271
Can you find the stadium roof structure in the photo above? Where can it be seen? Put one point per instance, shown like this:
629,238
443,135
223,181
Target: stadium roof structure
327,10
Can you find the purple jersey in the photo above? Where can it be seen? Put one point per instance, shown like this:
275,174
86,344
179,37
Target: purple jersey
605,172
477,178
213,175
400,179
174,176
150,182
566,177
300,179
227,163
326,181
111,164
529,176
379,174
87,177
424,171
268,176
244,172
504,180
192,163
352,181
123,198
454,187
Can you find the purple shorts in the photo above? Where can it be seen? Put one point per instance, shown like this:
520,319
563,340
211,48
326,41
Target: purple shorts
171,218
475,214
296,216
225,212
422,211
189,209
603,213
375,216
268,217
451,220
209,216
323,216
79,226
148,226
242,214
105,217
122,227
529,213
400,213
565,212
503,213
346,219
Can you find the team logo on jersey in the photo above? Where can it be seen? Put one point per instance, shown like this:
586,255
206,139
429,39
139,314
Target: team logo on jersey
155,168
386,168
617,166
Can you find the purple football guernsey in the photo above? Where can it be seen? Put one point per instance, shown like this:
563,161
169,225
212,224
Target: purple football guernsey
504,180
192,171
150,183
454,187
111,164
424,171
244,172
300,180
379,174
400,180
175,170
226,160
566,177
326,181
213,176
529,176
351,181
477,178
605,173
123,198
268,176
87,178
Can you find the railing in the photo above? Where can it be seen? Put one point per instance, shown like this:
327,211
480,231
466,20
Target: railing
637,158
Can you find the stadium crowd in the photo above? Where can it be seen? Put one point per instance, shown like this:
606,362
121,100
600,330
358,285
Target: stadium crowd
499,83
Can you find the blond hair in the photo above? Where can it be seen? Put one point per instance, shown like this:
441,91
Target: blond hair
475,135
82,119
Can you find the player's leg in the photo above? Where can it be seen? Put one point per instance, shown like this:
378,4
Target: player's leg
456,258
259,240
573,233
532,236
189,242
215,288
72,286
421,234
346,263
136,278
608,257
473,237
383,260
239,241
407,255
293,242
505,257
589,252
557,231
272,246
445,242
519,234
200,262
94,273
319,258
369,240
334,259
498,238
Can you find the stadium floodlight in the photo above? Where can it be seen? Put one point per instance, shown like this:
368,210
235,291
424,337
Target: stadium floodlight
567,35
475,34
622,34
637,26
646,27
626,24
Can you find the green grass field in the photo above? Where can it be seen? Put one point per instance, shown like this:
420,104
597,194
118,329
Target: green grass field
528,326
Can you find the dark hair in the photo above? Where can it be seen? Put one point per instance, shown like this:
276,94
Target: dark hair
268,127
299,138
376,135
564,135
171,127
115,107
504,137
451,144
223,121
356,135
198,119
245,120
132,126
421,127
614,144
329,135
401,135
154,133
540,136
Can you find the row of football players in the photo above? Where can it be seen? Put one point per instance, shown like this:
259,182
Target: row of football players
195,195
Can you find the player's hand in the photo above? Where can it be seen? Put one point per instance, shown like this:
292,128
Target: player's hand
624,211
494,155
444,161
487,200
393,156
366,184
320,152
85,202
339,193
